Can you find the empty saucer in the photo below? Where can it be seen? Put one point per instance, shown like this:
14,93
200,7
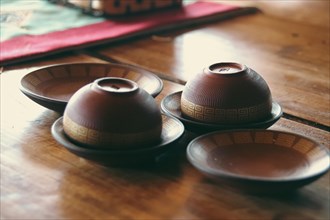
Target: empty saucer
262,161
171,132
171,105
53,86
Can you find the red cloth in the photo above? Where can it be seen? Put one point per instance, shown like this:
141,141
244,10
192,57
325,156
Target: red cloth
31,46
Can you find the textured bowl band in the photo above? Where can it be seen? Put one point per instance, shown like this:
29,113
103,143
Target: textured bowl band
218,115
92,137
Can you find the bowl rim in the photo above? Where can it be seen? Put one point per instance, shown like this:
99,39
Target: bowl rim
242,68
59,135
133,85
28,92
219,173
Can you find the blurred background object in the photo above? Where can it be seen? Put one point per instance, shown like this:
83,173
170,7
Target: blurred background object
119,7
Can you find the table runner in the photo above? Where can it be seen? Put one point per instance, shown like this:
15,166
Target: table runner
60,34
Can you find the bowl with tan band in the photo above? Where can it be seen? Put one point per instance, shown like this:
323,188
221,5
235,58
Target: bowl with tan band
226,93
112,113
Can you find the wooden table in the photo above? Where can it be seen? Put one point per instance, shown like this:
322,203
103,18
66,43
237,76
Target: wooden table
287,43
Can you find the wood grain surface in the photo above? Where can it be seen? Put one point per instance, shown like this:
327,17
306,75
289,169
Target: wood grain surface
293,10
42,180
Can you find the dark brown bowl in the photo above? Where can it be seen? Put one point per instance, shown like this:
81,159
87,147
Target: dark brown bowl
226,93
112,112
53,86
171,132
259,161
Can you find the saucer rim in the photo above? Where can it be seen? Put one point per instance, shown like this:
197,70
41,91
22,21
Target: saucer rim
57,101
220,173
275,116
59,135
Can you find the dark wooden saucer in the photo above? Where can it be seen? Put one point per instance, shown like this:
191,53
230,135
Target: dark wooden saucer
261,161
53,86
171,132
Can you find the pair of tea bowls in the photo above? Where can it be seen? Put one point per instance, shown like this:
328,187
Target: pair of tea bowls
224,96
114,121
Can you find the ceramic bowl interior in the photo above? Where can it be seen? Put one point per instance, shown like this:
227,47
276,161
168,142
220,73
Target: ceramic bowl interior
171,105
53,86
259,159
171,132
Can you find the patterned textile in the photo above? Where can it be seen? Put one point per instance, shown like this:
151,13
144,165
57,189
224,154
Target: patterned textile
35,28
